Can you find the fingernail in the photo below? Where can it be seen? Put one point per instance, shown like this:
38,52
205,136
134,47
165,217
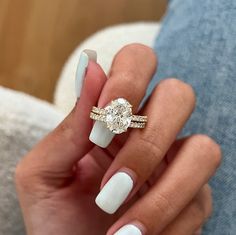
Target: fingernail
128,229
85,56
114,192
101,135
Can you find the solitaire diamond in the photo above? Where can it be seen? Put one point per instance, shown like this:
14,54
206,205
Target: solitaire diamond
118,115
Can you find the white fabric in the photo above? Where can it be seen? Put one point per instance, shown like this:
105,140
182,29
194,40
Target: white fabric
23,121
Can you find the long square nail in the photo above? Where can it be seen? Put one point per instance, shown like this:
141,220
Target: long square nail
115,192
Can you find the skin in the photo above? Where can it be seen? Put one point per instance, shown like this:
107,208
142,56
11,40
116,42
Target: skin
59,179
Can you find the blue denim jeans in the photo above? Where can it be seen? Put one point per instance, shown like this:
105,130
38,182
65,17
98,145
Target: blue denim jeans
197,44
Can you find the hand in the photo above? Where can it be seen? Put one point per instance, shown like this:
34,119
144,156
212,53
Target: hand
165,179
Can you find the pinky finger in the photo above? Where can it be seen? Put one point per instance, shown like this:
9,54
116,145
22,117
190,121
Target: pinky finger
193,216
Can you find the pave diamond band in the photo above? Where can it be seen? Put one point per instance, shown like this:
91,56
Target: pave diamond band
118,116
102,118
102,112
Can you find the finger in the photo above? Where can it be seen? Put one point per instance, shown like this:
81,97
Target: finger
131,72
68,143
193,216
193,165
169,107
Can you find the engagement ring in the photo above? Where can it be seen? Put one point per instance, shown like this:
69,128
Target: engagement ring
118,116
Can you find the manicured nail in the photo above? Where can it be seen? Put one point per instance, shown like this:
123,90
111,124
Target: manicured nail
114,192
101,135
85,56
128,229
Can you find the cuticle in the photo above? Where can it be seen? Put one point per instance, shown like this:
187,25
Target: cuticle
140,226
130,172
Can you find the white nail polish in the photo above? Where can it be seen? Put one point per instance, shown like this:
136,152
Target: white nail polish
114,192
128,229
85,56
101,135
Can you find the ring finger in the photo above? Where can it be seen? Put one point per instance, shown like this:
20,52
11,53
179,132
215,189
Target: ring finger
130,74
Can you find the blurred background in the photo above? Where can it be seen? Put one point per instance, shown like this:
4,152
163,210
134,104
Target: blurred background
37,36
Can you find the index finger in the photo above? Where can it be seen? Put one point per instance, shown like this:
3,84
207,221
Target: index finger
69,142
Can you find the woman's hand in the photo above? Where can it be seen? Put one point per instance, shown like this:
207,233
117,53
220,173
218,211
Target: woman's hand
165,179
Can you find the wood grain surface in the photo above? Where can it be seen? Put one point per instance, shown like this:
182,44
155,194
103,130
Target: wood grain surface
36,36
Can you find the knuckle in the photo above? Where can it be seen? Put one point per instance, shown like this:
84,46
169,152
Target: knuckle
162,205
179,89
140,48
208,145
131,84
128,77
27,174
29,181
136,49
66,130
149,143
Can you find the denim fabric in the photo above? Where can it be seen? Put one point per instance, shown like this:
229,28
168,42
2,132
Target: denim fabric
197,44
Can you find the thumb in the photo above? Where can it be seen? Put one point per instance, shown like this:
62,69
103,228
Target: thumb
69,142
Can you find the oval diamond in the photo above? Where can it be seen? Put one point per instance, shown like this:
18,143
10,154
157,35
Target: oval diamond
118,115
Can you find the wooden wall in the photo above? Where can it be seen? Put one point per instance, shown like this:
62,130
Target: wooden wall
36,36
